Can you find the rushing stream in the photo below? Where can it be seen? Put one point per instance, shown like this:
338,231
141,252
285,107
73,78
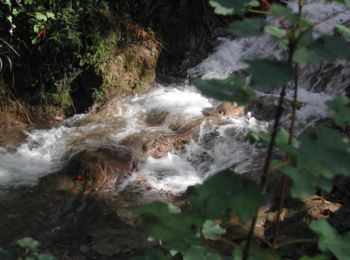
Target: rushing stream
215,147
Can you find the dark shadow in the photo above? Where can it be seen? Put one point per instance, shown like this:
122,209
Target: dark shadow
83,87
72,218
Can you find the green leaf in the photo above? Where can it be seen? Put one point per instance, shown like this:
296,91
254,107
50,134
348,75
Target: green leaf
50,15
4,254
221,9
40,16
15,11
330,240
174,230
322,154
345,31
212,230
153,254
255,253
304,56
281,141
29,243
223,193
199,252
317,257
305,183
228,7
36,28
269,74
330,48
173,209
230,89
45,257
341,110
275,32
247,27
285,12
325,152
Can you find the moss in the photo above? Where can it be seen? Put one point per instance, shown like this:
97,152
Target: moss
129,70
62,99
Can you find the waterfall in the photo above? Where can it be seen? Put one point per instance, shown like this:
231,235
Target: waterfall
217,145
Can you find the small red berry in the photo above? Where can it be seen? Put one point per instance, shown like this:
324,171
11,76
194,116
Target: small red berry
326,212
148,188
80,178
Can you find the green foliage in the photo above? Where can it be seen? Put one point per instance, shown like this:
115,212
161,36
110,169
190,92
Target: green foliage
97,95
284,12
256,253
241,196
317,257
54,39
174,230
345,31
330,240
232,89
311,161
66,34
218,198
247,27
30,251
153,254
330,48
262,71
29,243
7,53
341,111
212,230
226,7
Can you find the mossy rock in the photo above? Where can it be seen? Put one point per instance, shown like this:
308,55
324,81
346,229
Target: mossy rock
124,70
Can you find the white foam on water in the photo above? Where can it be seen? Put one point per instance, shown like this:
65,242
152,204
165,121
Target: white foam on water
218,145
47,151
40,155
224,146
174,100
230,56
326,14
170,173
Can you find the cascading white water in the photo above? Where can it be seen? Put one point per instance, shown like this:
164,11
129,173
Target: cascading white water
217,146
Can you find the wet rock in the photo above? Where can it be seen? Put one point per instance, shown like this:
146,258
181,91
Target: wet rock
264,107
156,117
93,171
124,70
111,241
84,249
230,109
226,109
11,130
156,144
163,145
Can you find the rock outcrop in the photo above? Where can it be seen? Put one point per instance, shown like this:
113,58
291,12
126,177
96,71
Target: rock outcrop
226,109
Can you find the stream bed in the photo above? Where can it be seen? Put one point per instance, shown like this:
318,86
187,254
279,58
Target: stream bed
157,144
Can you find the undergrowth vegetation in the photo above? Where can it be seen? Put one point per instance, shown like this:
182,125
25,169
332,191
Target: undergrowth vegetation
311,161
44,45
42,42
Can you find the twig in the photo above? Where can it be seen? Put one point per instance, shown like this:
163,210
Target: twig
9,45
265,173
285,179
261,238
258,11
266,3
281,164
296,241
206,18
229,242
